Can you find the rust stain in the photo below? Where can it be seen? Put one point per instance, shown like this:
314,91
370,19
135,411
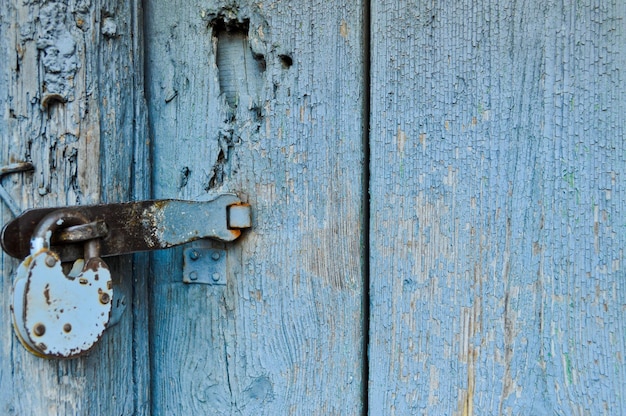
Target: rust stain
343,29
468,396
471,325
401,140
423,140
508,382
46,294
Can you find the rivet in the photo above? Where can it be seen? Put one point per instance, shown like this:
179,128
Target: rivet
104,298
216,277
50,261
215,256
39,330
193,275
194,255
67,327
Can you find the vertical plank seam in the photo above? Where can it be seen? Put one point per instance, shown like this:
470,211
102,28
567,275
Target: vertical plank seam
365,190
141,184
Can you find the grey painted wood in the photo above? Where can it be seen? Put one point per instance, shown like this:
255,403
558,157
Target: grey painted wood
284,336
497,226
71,101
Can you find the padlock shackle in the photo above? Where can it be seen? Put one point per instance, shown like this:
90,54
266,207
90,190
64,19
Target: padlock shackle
42,234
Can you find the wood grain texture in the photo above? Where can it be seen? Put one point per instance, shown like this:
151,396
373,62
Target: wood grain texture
284,336
71,102
497,227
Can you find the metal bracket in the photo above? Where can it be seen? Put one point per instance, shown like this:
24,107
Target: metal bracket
204,265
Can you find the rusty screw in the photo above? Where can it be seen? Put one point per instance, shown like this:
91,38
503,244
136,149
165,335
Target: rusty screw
104,298
50,261
39,330
67,328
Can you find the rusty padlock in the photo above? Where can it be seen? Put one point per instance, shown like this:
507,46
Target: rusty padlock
57,315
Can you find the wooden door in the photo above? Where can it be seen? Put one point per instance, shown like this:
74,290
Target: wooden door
265,100
71,100
285,333
497,216
436,191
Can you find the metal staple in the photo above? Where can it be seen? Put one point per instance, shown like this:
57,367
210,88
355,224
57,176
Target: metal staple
4,195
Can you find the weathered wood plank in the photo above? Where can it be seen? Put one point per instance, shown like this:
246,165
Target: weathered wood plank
71,102
497,227
285,132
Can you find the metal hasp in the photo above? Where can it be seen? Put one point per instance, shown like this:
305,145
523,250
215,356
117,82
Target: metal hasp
62,315
134,226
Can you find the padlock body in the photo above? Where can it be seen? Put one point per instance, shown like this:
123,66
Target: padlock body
59,316
17,306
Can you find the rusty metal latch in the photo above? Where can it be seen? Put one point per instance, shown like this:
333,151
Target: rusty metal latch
133,226
60,314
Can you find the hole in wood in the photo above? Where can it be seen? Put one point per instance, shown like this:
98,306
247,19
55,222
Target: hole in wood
286,61
240,70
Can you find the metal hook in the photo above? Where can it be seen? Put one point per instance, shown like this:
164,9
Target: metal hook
4,195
